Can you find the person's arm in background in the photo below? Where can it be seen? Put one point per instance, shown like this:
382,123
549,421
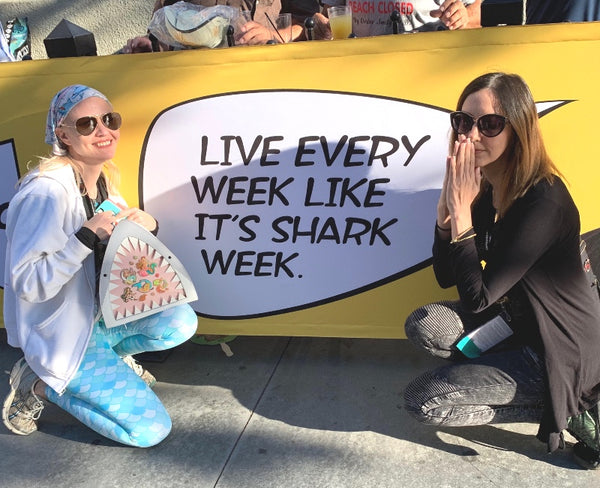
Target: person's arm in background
141,44
453,13
298,30
300,10
474,11
322,29
456,15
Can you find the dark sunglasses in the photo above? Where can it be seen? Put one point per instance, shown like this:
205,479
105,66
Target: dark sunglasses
86,125
490,125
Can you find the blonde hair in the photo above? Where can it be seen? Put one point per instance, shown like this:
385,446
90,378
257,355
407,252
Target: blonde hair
110,171
527,161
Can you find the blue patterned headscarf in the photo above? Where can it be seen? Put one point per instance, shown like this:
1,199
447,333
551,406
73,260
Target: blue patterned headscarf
60,106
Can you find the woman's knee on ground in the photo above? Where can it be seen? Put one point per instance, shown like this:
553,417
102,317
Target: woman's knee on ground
186,320
434,399
150,432
174,325
417,396
434,327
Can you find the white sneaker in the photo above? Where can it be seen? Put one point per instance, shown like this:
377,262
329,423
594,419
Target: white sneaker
22,407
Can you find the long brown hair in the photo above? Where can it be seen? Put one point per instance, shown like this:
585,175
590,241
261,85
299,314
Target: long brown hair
527,161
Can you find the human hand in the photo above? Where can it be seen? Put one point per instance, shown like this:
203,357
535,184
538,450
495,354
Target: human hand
443,214
140,44
453,14
255,34
138,216
102,224
322,29
464,181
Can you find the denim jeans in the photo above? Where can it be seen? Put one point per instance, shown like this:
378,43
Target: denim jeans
504,384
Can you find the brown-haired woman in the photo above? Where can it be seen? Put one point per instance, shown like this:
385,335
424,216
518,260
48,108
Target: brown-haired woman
507,236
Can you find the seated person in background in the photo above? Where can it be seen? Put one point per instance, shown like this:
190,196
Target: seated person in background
549,12
372,17
255,32
300,10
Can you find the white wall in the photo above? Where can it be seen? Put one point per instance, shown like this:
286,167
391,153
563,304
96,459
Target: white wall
111,21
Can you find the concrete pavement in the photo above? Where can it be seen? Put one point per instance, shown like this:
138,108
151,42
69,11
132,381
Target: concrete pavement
286,413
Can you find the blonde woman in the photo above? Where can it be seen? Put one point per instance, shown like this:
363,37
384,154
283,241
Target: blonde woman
56,241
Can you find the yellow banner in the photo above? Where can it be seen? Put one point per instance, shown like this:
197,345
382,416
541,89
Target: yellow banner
297,183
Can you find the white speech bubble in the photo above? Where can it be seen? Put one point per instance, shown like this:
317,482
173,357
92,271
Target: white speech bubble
280,200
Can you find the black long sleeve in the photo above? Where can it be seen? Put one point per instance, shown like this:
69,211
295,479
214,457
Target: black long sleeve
533,251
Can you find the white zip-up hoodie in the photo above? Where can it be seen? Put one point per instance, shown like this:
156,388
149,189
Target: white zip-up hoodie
49,291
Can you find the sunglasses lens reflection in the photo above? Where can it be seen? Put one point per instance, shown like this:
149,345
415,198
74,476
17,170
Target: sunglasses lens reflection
112,120
461,122
86,125
489,125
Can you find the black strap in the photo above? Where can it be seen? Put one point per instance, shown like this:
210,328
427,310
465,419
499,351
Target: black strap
90,210
587,267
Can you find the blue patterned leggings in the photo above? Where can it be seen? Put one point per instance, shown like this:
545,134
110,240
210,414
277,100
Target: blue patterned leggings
107,395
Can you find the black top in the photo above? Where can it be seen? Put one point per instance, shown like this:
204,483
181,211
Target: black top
545,12
532,254
87,236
